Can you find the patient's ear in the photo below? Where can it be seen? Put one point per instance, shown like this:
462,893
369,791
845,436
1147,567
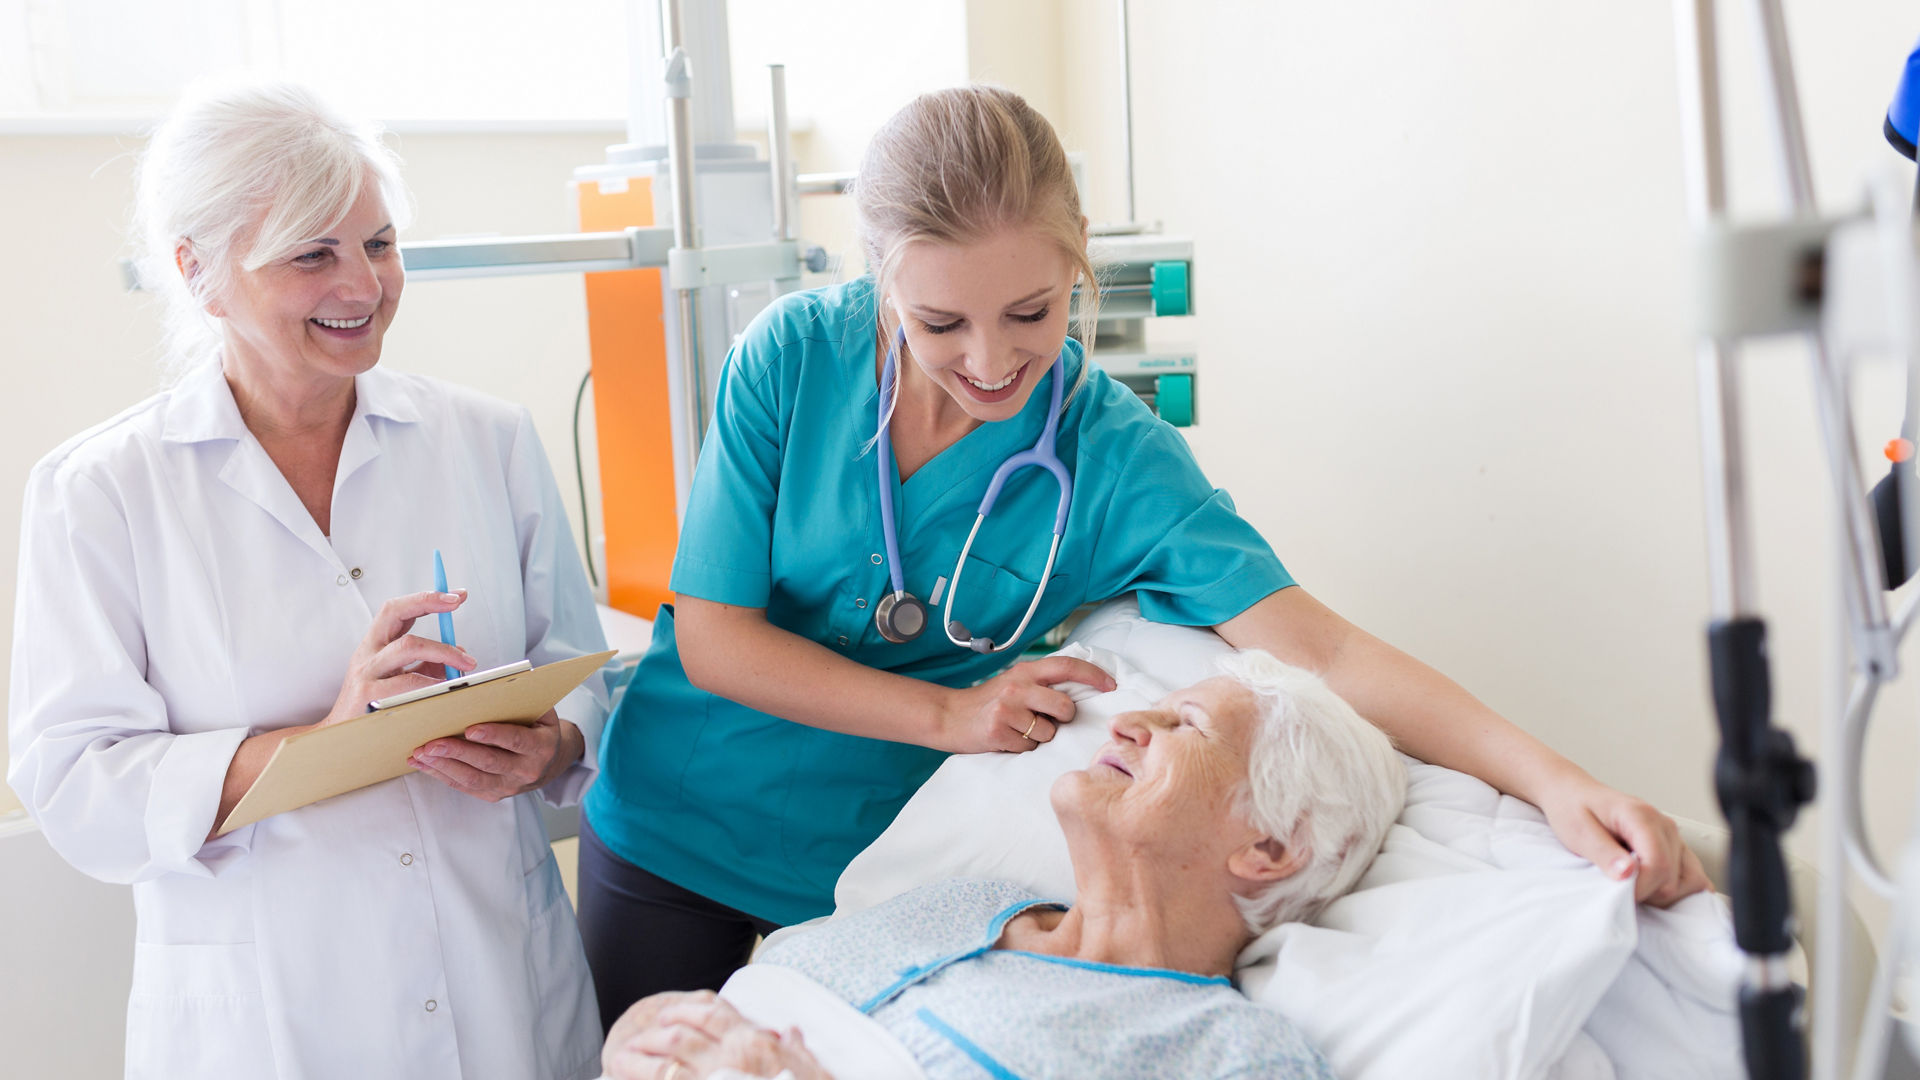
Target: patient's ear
1264,860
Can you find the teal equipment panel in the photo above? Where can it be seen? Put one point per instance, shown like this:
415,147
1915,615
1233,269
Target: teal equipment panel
1173,399
1170,288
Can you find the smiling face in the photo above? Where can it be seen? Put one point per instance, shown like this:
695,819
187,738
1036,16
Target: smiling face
322,310
1166,782
984,320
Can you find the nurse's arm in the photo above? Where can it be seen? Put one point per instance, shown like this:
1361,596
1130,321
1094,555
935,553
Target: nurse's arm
1434,719
736,653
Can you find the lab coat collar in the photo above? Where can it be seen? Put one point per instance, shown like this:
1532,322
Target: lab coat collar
201,407
381,393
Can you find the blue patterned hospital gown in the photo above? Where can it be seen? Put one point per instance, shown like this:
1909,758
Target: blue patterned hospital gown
923,965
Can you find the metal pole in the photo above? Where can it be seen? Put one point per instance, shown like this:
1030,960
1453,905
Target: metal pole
680,167
1729,547
1861,573
1865,586
1790,137
780,153
1126,108
1759,779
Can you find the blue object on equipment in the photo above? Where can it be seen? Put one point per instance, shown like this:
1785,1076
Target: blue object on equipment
1903,116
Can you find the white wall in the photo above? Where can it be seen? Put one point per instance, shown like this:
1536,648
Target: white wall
1445,363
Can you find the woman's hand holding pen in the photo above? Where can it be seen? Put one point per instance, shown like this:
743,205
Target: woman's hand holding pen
499,761
391,661
388,662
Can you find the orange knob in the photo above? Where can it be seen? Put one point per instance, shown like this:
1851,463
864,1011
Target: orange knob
1899,450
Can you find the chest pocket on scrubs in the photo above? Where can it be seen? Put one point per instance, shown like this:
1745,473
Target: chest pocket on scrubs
846,789
992,599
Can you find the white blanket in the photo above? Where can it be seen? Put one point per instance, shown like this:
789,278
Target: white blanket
1476,945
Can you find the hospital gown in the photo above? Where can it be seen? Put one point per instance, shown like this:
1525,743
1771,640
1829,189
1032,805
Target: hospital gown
923,965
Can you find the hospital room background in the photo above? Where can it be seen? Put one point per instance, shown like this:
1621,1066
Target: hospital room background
1441,311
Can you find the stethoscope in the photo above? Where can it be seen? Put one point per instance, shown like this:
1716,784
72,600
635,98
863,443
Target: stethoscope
901,616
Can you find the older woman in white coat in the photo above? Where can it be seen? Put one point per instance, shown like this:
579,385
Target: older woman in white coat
240,558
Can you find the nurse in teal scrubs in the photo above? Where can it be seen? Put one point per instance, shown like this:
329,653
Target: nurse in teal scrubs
772,731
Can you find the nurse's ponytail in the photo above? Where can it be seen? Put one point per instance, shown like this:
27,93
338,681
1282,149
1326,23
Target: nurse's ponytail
957,164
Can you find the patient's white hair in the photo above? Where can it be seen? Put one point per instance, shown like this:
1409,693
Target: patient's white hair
1318,774
244,175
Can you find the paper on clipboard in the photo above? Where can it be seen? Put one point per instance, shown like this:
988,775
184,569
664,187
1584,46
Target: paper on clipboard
365,750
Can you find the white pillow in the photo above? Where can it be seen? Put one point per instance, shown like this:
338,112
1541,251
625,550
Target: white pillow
1475,946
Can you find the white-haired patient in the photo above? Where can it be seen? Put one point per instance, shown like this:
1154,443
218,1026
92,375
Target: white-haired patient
1246,800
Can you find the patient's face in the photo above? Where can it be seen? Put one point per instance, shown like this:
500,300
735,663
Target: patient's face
1168,775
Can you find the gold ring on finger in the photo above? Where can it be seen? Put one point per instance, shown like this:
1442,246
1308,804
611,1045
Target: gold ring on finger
1028,734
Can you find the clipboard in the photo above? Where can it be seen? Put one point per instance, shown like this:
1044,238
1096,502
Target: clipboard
368,749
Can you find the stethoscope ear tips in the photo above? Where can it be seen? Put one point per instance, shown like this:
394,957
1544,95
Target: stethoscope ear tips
958,633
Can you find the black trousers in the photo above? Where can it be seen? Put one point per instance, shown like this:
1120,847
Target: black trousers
645,935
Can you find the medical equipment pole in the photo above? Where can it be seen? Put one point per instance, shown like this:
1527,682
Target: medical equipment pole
680,165
780,154
1863,562
1865,585
1126,106
1759,778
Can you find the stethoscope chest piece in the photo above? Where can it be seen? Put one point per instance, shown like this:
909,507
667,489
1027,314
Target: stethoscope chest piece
900,617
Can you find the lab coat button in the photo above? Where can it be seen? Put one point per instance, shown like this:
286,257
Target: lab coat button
876,558
355,573
843,640
341,580
860,602
406,859
432,1004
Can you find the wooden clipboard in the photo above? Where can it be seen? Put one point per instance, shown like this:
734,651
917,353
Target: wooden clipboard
365,750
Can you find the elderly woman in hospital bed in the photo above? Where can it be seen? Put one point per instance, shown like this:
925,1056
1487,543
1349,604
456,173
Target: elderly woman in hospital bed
1246,800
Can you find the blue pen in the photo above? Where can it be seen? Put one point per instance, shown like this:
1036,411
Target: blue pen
446,617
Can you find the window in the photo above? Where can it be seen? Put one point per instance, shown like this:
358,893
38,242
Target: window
81,64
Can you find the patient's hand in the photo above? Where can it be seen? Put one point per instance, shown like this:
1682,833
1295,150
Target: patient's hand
687,1036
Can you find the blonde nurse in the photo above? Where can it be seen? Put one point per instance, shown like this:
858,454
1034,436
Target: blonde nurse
787,711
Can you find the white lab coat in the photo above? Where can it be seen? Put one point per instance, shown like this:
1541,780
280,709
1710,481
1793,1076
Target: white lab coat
175,597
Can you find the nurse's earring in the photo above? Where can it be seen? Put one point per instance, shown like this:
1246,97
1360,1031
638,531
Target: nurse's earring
900,617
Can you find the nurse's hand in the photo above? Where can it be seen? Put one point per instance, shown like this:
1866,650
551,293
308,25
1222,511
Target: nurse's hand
1625,836
1018,709
391,661
498,761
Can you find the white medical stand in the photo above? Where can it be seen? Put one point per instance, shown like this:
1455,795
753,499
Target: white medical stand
1850,286
688,140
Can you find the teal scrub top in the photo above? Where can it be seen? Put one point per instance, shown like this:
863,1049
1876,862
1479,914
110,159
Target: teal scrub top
762,814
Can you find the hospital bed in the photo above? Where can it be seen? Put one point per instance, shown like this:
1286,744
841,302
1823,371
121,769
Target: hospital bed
1476,946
